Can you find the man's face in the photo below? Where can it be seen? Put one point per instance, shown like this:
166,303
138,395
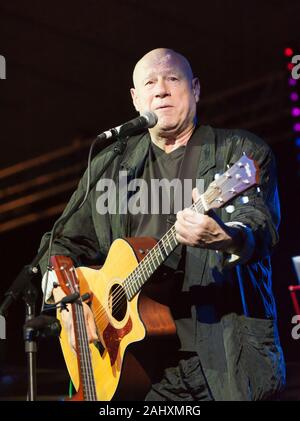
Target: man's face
164,85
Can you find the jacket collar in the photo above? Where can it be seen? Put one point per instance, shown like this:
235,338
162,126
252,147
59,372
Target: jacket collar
202,137
136,151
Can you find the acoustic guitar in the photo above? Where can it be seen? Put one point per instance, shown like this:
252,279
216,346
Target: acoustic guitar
123,315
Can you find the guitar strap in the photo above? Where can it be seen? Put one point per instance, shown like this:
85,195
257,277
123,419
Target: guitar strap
188,171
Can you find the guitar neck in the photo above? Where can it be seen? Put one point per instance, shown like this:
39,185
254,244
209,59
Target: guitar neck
83,353
156,256
237,179
68,281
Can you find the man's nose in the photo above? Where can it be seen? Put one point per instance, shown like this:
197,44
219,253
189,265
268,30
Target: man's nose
162,89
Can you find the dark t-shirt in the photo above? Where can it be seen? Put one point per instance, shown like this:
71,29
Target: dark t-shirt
159,165
158,205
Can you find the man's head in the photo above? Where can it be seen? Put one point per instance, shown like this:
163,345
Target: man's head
164,83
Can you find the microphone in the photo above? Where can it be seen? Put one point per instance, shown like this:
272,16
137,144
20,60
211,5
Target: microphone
144,121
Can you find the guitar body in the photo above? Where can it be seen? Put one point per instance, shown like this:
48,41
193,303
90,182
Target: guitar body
117,329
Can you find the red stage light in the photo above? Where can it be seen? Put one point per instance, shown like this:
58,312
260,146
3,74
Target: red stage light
288,52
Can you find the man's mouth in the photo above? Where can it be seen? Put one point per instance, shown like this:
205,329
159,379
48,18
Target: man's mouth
163,106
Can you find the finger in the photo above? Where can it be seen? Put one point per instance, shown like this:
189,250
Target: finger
92,328
181,228
179,216
189,216
184,217
67,321
188,212
92,337
199,218
72,340
181,239
195,195
193,218
90,323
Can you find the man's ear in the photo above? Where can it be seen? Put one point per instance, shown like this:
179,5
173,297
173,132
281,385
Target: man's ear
196,88
134,99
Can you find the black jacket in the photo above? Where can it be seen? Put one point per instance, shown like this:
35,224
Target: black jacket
232,306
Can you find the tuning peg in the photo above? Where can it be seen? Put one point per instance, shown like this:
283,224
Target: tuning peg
230,209
244,200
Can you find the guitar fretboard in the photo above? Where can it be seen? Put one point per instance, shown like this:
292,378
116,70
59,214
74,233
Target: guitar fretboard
83,351
82,345
156,256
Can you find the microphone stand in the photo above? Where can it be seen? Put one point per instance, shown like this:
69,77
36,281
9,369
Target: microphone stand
22,283
30,296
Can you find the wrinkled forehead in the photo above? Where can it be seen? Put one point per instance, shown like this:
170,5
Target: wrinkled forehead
152,65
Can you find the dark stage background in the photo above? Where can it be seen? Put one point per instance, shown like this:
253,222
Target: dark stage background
69,68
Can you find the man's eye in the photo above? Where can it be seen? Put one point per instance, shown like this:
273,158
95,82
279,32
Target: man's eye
149,82
173,78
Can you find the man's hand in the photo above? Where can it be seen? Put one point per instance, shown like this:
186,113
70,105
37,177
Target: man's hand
67,319
197,230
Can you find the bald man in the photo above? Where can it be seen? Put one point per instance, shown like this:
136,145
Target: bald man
223,308
164,83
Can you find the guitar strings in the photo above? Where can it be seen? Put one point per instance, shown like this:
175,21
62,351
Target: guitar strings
139,270
88,381
83,364
91,389
146,262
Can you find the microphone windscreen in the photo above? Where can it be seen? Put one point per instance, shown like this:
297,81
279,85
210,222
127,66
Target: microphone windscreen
151,117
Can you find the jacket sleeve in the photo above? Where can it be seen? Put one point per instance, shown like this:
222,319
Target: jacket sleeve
257,211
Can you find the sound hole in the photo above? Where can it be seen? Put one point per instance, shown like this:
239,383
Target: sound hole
117,302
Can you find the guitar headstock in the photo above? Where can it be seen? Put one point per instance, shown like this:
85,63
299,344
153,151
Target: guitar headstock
237,179
66,274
